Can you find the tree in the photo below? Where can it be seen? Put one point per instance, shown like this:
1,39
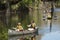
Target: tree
49,0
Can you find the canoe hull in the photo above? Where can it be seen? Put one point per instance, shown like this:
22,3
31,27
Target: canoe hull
13,33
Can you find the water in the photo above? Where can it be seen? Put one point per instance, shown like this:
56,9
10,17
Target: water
51,36
45,29
23,37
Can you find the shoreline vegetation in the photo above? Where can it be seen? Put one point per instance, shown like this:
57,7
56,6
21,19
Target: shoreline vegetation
57,4
3,32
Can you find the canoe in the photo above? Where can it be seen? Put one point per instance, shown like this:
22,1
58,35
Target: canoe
24,32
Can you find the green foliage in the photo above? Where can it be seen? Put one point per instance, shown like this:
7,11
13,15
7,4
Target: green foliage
3,32
23,2
4,35
3,1
58,3
15,6
27,1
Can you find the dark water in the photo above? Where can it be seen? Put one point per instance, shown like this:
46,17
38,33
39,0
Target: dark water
23,37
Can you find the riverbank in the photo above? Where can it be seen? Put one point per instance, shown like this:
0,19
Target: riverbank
3,32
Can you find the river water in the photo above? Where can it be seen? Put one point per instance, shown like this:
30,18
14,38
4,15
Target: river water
43,30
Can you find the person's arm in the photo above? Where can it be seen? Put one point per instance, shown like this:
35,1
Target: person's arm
29,25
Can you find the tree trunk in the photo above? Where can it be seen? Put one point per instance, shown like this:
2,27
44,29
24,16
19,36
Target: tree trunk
8,14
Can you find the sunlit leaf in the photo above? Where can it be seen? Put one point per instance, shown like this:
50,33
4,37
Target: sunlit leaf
16,6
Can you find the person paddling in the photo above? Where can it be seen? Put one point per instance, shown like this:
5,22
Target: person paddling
33,24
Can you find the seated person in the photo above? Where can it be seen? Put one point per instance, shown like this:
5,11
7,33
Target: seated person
19,27
31,26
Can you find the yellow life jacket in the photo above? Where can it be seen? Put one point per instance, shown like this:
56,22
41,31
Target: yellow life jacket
20,27
33,25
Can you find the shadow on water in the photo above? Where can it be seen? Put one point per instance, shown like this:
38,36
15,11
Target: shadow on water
23,37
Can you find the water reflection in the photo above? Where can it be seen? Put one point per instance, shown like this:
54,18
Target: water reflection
23,37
